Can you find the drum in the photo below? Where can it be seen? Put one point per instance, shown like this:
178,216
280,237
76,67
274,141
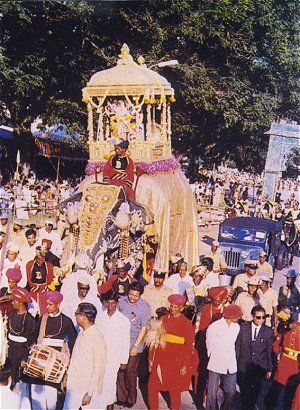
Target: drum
46,363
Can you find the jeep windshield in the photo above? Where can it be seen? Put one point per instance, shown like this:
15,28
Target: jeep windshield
242,234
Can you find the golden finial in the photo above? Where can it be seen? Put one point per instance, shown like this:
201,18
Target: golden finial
141,61
125,56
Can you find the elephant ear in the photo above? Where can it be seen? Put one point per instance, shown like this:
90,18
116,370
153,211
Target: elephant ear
74,198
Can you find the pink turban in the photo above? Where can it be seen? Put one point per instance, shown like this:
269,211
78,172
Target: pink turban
177,299
14,274
53,296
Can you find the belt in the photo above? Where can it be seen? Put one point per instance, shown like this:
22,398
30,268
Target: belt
19,339
47,341
290,353
174,339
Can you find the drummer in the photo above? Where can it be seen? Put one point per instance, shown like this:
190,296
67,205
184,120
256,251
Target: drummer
21,334
53,329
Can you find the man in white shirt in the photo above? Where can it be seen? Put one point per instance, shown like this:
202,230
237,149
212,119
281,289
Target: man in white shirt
88,362
115,328
179,282
49,233
222,366
28,250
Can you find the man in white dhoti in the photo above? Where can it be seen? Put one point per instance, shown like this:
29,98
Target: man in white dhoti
116,331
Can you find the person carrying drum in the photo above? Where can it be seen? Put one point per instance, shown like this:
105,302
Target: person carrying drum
53,329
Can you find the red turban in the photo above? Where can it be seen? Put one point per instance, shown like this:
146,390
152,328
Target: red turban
53,296
177,299
218,292
14,274
21,295
47,242
232,312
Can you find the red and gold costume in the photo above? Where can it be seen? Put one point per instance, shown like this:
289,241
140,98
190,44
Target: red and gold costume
168,362
39,278
289,347
120,171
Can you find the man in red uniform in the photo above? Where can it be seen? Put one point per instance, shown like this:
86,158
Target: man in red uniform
287,376
119,169
170,367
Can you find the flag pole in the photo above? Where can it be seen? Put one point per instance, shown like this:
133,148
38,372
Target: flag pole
18,163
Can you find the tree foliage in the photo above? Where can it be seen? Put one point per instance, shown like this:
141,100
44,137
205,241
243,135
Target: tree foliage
239,67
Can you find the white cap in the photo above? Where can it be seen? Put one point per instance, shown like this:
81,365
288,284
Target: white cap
13,247
18,222
254,281
84,278
49,222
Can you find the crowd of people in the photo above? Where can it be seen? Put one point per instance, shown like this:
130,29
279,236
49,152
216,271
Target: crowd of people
242,192
173,323
77,342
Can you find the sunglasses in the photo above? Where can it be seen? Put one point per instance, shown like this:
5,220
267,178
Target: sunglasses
260,317
84,287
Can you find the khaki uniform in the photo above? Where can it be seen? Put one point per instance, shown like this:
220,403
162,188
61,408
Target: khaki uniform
157,297
268,300
219,261
265,268
241,281
246,302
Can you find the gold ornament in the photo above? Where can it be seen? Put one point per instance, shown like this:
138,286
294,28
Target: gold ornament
94,211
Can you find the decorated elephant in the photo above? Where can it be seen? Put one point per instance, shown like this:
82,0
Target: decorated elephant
103,222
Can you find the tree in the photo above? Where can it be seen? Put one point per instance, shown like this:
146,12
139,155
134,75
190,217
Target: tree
237,73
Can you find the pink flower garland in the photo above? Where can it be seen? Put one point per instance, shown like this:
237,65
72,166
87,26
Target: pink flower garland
147,167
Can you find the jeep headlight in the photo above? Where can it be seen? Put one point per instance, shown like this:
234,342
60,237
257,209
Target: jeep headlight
245,254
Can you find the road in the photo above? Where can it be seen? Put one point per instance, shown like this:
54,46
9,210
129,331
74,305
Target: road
207,235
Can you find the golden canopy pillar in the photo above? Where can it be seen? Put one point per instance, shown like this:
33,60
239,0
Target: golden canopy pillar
132,102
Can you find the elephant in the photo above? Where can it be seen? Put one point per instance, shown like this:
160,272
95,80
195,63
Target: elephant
103,222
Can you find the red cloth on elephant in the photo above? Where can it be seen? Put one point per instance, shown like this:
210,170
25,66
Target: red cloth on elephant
167,362
120,171
39,278
288,363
